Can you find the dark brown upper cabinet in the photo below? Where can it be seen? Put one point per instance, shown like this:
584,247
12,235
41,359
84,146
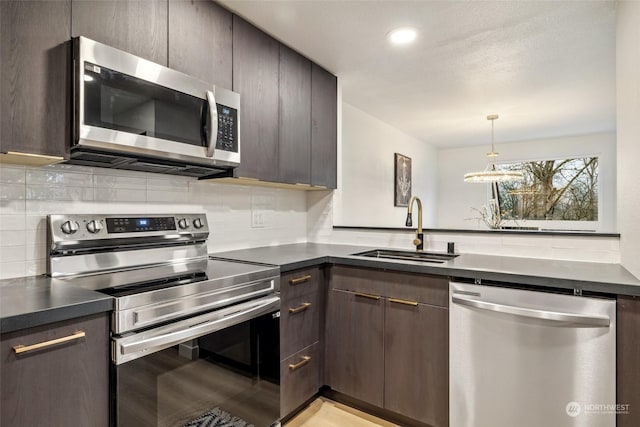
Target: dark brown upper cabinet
200,41
137,27
35,52
324,125
255,78
294,118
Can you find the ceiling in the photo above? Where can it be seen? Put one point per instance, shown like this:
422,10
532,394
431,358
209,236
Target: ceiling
546,67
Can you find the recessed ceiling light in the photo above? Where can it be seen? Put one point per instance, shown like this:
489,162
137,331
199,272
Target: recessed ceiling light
402,35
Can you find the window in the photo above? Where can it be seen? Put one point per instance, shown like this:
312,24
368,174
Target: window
553,190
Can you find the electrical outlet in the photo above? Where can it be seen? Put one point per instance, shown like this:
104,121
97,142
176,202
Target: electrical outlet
257,218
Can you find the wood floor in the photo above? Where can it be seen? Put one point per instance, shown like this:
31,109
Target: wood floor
323,412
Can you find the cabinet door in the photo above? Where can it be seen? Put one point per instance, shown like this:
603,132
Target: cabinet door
299,323
35,71
628,352
200,40
324,125
300,378
137,27
294,118
417,362
65,384
255,78
354,337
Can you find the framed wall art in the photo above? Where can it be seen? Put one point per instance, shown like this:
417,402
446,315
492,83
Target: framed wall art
402,180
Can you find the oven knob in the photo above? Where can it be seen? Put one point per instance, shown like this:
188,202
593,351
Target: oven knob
197,223
183,223
94,226
69,227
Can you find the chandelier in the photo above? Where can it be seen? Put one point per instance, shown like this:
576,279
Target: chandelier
491,172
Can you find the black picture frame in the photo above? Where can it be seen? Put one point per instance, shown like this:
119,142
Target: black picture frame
401,180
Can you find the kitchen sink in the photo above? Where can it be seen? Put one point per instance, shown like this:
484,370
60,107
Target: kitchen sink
433,257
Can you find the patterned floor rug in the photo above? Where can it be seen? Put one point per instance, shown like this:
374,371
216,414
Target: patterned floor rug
217,418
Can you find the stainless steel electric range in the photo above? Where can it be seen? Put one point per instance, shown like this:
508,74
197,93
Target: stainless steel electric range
192,337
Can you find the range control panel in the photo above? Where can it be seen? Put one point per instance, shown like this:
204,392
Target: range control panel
91,227
138,224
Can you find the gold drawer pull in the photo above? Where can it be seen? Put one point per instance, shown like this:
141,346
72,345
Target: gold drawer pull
360,294
300,364
24,348
299,280
403,301
302,307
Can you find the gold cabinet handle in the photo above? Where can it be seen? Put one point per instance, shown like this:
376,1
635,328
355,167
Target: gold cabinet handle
300,364
403,301
299,280
360,294
302,307
24,348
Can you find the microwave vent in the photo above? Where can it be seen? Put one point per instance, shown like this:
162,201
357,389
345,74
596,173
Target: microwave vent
147,167
97,159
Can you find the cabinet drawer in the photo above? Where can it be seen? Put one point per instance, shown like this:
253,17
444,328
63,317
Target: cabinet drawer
58,375
299,378
423,288
299,323
300,282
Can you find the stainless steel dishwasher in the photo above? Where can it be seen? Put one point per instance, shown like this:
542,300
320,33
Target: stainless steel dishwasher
529,359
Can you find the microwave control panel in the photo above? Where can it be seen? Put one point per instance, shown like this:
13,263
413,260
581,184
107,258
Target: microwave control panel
227,128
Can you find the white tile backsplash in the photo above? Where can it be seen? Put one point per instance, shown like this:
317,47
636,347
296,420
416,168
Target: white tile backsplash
10,174
27,195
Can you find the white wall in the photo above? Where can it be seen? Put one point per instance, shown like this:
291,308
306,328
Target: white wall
628,127
27,195
456,198
365,196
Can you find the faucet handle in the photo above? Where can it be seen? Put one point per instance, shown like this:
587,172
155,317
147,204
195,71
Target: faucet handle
417,241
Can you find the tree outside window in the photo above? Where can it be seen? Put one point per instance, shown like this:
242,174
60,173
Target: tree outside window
553,190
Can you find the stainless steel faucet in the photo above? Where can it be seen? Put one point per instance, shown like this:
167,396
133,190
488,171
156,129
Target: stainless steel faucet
419,240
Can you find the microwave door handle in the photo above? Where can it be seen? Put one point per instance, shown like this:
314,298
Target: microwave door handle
213,115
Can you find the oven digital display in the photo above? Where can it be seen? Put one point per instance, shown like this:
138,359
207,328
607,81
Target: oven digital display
133,225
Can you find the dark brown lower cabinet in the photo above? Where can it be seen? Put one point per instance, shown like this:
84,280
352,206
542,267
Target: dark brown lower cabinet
416,361
299,323
301,341
355,340
388,344
300,378
64,384
628,356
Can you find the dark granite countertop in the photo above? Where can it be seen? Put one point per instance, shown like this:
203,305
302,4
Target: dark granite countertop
39,300
587,276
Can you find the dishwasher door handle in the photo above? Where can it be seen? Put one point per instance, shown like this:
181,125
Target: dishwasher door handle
555,316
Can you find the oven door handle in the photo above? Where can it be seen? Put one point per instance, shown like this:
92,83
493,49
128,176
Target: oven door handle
129,348
213,116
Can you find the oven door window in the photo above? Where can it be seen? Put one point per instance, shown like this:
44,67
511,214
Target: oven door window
118,101
235,370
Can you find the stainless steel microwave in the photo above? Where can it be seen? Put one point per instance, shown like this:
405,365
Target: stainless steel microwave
131,113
